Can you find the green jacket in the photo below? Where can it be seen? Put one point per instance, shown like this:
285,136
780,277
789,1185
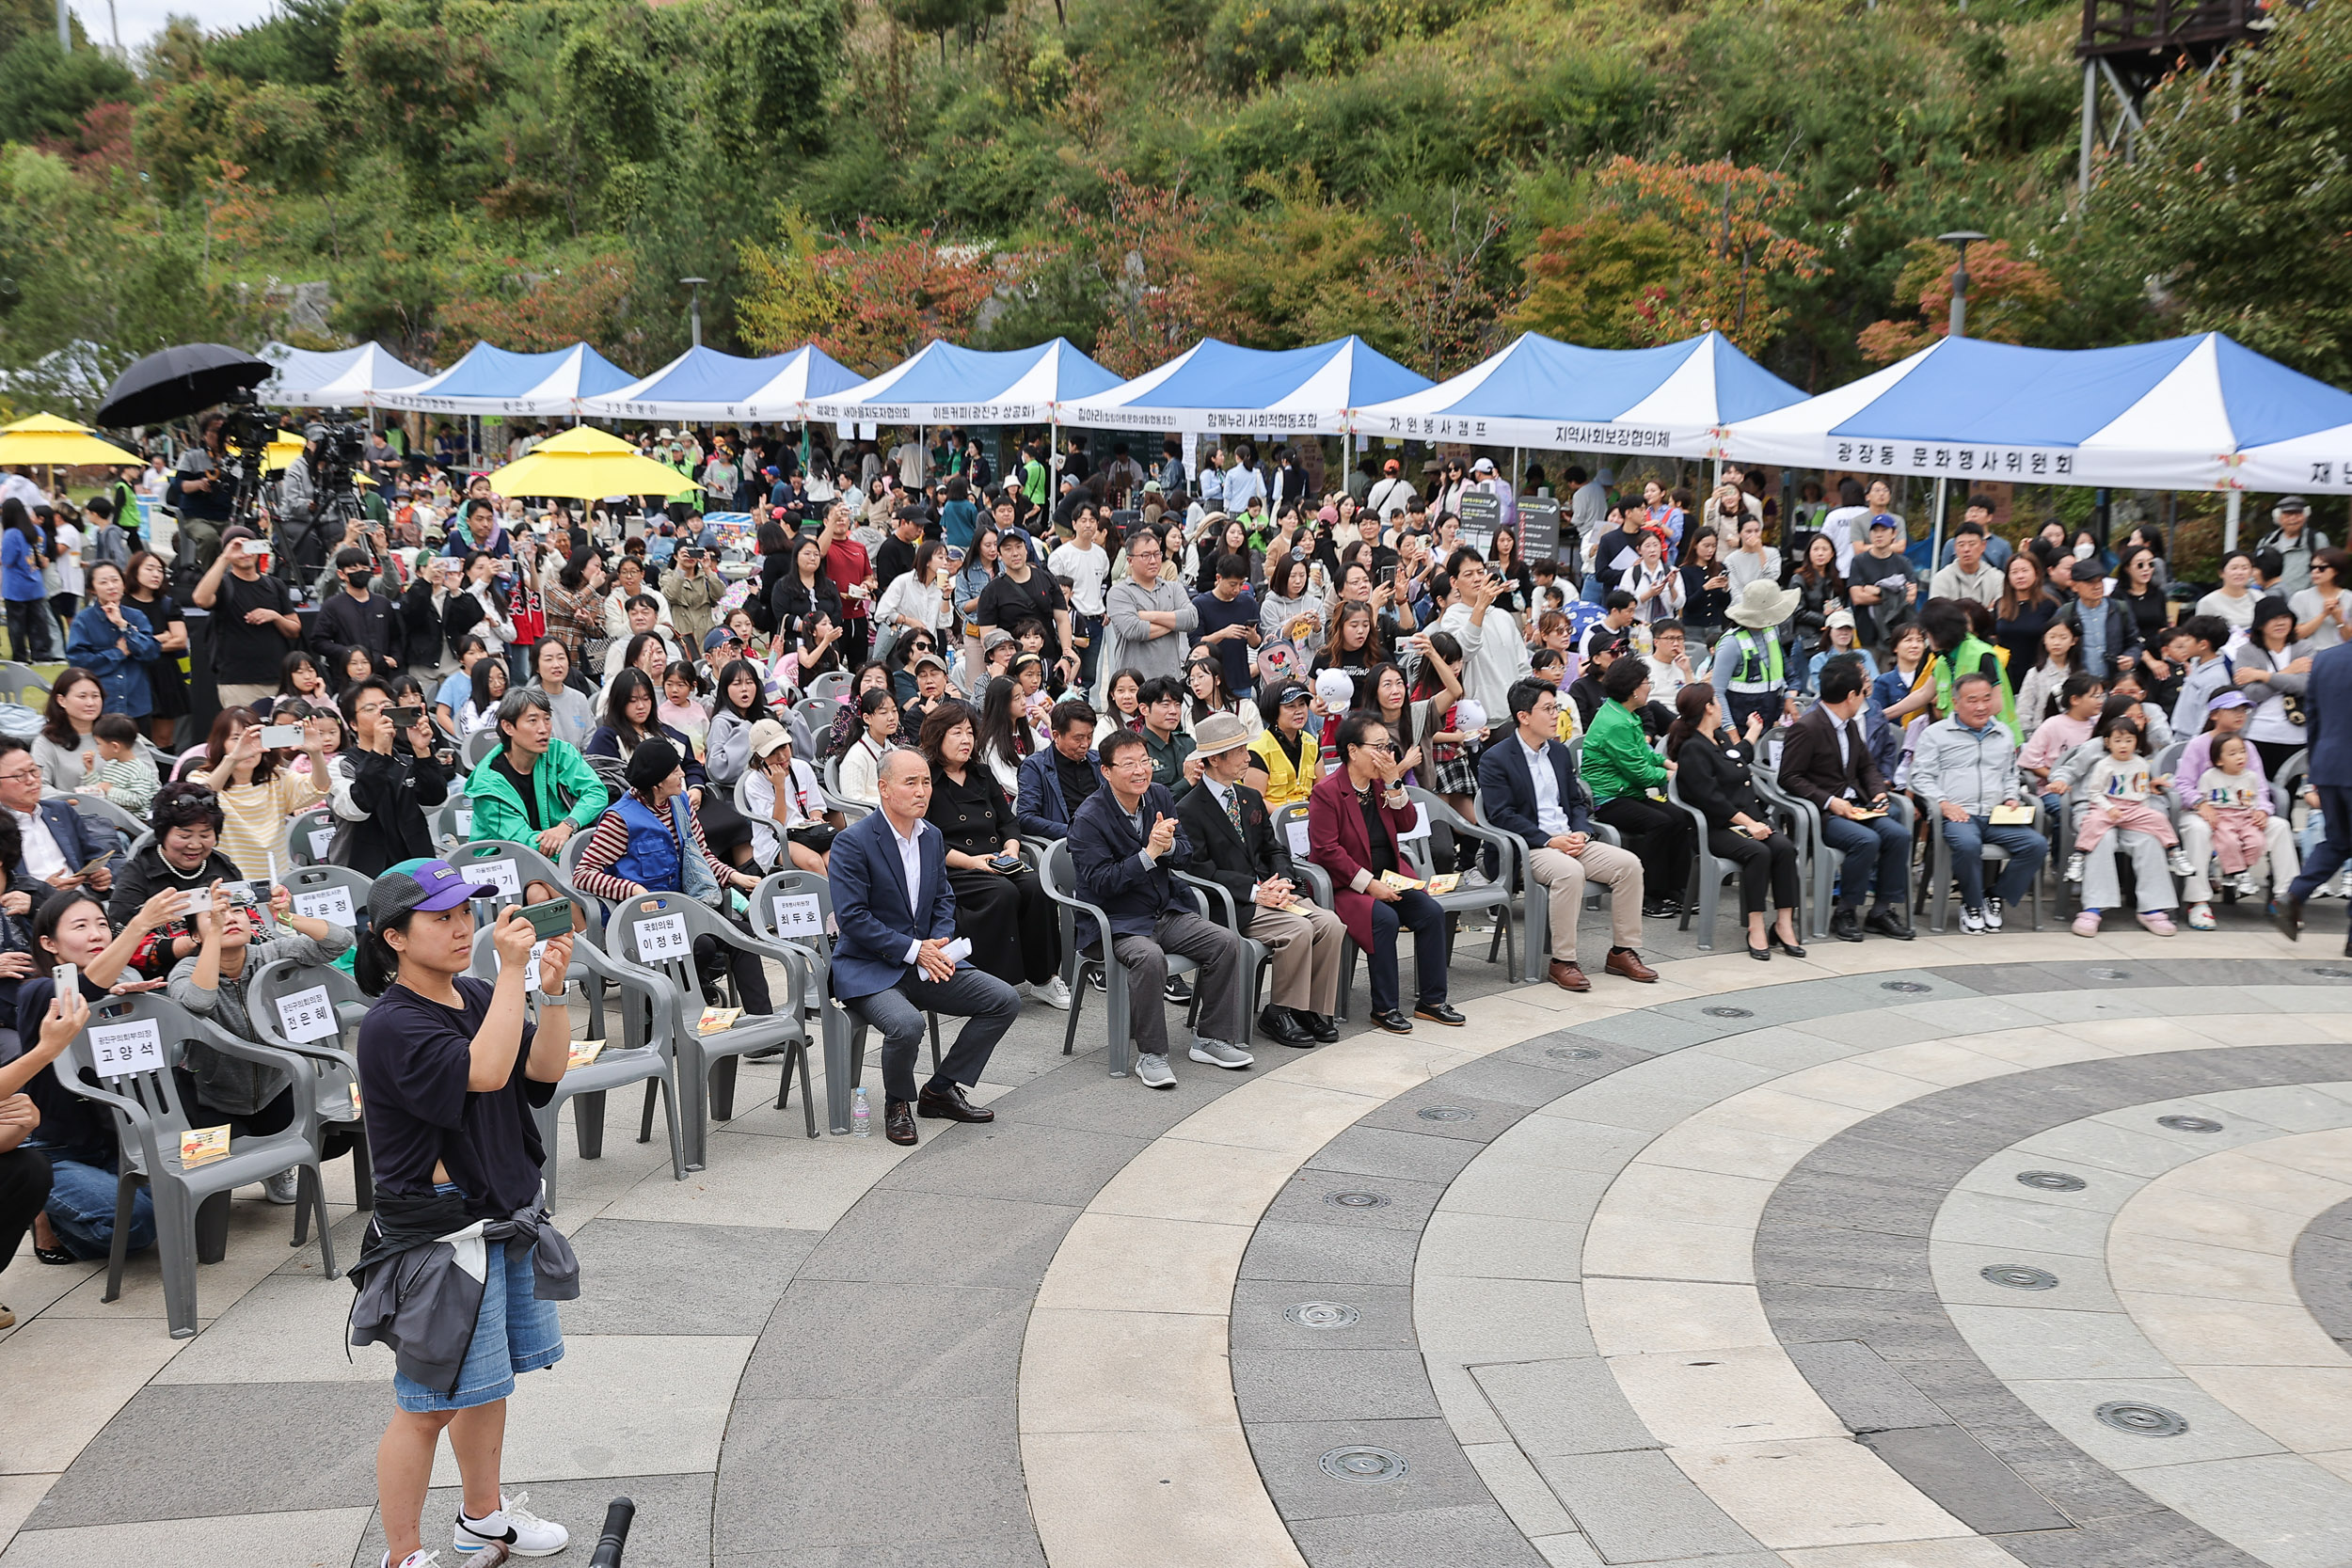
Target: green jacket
1168,760
1618,759
1035,483
566,785
1970,655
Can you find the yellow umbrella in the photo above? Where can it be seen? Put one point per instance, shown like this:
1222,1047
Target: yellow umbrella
46,439
585,464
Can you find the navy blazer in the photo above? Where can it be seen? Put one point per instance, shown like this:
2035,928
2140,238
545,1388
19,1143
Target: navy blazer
1106,853
1508,790
75,838
870,905
2328,716
1039,810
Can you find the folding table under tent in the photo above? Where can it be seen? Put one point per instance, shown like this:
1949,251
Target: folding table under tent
496,382
1221,387
705,387
1550,396
348,378
947,385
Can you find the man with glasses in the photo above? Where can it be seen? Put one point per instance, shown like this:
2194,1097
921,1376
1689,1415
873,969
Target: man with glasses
1125,844
57,844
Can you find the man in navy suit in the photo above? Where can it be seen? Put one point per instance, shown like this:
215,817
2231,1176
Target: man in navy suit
1547,811
56,843
2328,735
897,915
1055,782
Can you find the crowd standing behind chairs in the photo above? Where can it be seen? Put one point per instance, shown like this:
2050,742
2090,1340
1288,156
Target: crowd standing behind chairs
1139,736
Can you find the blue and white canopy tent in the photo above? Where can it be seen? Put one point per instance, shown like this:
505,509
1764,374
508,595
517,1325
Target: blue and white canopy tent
705,386
947,385
2184,414
1552,396
1219,387
500,383
344,378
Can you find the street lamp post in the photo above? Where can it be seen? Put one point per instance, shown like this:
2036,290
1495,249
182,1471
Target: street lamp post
1962,239
696,305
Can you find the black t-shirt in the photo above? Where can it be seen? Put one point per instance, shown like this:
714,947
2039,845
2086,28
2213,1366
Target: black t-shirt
892,559
1376,834
245,655
1006,603
414,1058
523,787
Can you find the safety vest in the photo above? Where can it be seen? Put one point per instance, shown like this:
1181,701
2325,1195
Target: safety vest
1757,672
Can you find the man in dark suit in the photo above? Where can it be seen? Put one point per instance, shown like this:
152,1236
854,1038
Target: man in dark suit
1124,844
1825,761
2328,735
57,843
1232,843
1055,782
1549,812
891,964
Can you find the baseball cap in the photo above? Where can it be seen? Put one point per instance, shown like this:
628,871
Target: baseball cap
1016,536
1289,692
1883,520
767,736
993,637
1391,467
717,636
1840,618
2229,699
1484,465
432,885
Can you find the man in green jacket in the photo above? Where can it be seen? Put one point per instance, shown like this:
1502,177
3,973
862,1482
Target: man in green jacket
534,790
1620,769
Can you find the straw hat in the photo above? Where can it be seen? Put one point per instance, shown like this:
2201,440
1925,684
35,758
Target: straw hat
1761,605
1218,732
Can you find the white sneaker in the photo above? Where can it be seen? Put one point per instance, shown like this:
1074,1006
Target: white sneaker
417,1559
2244,884
1218,1054
1992,914
1972,920
522,1532
283,1188
2343,883
2176,861
1054,993
2075,866
1152,1070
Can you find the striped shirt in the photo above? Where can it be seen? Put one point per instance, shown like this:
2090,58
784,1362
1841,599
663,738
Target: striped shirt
608,841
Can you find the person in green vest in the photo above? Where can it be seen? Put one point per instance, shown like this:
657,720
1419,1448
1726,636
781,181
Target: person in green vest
1750,669
534,790
1959,651
1621,770
1035,483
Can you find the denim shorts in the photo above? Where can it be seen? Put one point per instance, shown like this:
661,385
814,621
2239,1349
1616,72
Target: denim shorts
514,1332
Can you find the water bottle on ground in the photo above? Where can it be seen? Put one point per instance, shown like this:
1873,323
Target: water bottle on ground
861,1115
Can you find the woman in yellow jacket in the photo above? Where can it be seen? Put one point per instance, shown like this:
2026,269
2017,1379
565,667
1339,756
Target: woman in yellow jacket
1283,757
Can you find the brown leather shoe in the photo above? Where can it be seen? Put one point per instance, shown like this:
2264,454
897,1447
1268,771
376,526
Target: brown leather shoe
1568,977
948,1104
1629,964
898,1121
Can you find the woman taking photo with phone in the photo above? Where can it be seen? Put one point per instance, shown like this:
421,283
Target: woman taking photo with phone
258,792
383,783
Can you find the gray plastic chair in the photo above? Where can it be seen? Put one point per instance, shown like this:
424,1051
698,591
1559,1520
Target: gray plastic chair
706,1063
275,995
1938,888
842,1032
646,1013
830,685
1495,895
98,809
149,1120
1822,859
1318,884
452,822
310,835
479,745
1223,909
835,800
17,679
1060,880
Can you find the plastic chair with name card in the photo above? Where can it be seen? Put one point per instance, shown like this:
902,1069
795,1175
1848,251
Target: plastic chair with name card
511,867
452,822
645,1012
1060,880
1938,889
796,907
130,1046
314,1011
1468,895
311,834
657,931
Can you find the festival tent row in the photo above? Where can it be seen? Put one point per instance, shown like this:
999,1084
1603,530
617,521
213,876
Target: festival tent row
344,378
1221,387
705,387
493,382
947,385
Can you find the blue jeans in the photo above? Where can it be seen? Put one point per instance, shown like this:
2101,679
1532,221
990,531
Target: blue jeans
2324,858
1877,855
2026,850
1426,918
514,1331
81,1206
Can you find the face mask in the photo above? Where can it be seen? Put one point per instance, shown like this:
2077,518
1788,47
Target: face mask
2082,551
356,579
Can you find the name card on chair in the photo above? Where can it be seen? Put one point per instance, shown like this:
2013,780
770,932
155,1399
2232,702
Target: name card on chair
120,1049
798,915
322,841
1421,824
497,874
309,1015
663,937
332,905
1295,830
531,969
465,824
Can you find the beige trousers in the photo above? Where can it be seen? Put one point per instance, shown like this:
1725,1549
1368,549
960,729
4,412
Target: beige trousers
1305,945
1564,876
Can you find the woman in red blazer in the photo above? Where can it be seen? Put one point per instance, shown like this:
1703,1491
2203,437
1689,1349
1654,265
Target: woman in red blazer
1363,792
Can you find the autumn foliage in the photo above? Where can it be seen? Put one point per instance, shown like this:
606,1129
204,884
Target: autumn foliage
870,299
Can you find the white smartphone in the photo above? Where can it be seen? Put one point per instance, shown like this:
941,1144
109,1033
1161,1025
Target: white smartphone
69,979
274,736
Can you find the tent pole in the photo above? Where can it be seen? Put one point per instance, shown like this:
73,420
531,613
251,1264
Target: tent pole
1936,540
2228,519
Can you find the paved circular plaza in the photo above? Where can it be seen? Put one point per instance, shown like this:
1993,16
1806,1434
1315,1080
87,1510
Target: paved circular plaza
1963,1252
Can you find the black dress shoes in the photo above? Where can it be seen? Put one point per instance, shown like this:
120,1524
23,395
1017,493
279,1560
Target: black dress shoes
948,1104
898,1121
1845,923
2287,914
1276,1024
1393,1021
1320,1026
1887,921
1438,1012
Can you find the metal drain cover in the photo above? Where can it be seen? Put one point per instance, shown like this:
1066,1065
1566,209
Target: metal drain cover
1912,986
2052,1181
2189,1124
1573,1054
1728,1012
2332,971
1355,1201
1319,1314
1446,1112
2142,1420
2110,974
2018,1277
1363,1463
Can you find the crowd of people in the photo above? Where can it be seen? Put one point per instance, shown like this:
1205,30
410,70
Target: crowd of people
1039,730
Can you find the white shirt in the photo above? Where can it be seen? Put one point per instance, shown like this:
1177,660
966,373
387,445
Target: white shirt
911,859
1086,570
1550,815
42,858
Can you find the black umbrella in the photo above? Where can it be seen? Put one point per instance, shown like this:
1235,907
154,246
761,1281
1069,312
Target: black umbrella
177,381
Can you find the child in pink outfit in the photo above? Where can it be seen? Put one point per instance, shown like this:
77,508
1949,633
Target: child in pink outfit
2234,801
2117,792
